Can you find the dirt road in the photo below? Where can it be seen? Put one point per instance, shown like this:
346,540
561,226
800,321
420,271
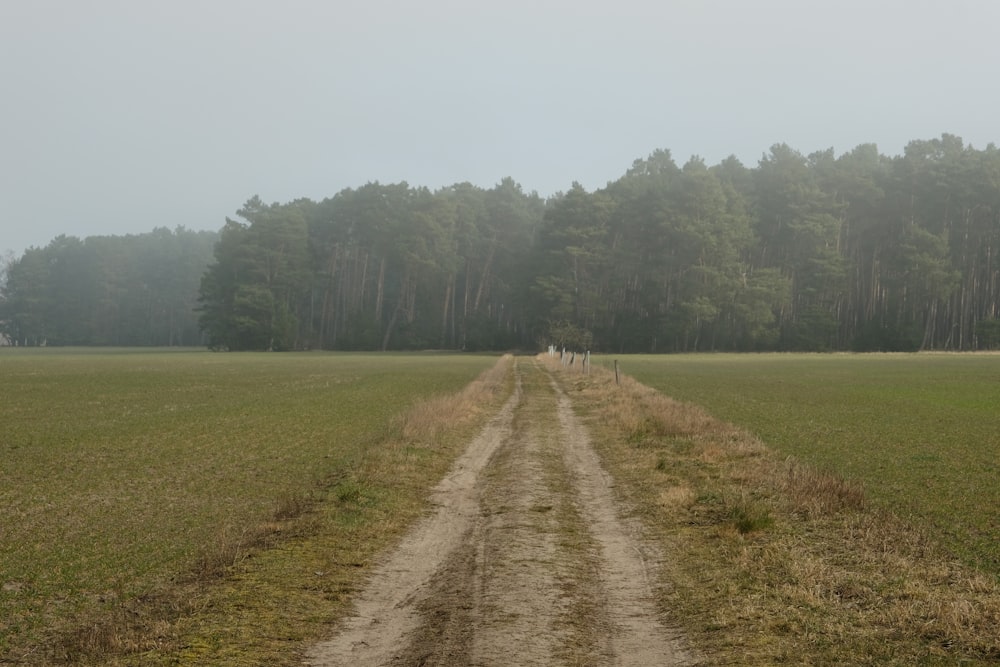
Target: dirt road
526,559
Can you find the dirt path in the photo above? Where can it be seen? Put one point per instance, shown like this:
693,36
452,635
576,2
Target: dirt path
526,561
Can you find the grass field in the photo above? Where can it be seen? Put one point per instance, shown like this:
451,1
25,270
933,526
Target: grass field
773,559
181,507
122,472
921,431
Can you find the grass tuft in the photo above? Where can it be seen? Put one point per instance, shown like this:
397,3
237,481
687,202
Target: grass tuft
818,493
230,548
750,517
348,492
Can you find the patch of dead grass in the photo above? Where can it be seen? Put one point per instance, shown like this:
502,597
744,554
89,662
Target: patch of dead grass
676,497
817,493
430,417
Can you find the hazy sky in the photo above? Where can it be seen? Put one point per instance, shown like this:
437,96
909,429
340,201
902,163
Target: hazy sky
120,116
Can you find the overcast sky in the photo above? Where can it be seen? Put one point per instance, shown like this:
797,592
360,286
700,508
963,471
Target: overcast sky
120,116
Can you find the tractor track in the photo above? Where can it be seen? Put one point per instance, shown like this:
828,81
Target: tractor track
526,559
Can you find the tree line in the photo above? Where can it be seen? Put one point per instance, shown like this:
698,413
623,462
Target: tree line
802,252
135,290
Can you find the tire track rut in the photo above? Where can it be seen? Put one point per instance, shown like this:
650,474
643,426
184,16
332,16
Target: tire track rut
526,559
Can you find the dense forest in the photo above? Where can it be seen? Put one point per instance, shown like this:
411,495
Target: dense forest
802,252
136,290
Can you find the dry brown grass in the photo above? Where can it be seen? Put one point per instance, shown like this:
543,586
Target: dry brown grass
674,497
816,493
431,417
772,561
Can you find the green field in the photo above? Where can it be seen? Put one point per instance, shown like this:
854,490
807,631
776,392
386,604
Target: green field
921,431
120,469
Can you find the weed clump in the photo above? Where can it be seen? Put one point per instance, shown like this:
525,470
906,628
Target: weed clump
748,517
819,493
349,492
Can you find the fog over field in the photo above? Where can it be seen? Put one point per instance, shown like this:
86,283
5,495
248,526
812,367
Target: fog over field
120,117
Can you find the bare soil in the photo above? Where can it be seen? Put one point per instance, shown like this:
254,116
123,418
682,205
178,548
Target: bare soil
527,559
